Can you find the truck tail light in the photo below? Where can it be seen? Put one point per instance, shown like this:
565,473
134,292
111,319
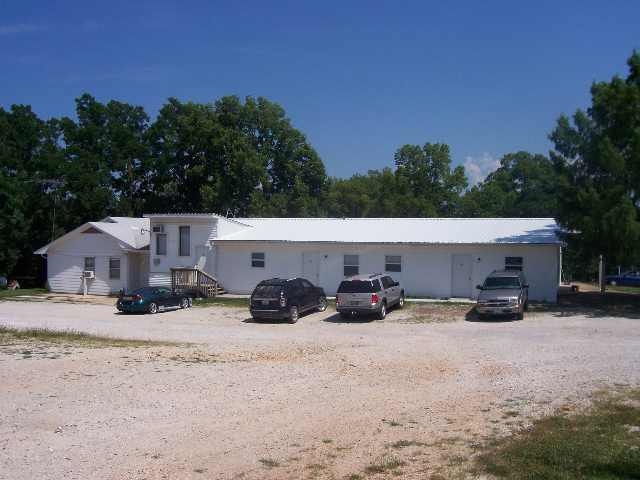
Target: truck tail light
337,299
137,298
283,300
374,298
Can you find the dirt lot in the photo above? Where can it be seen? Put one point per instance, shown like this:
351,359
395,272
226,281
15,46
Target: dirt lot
407,396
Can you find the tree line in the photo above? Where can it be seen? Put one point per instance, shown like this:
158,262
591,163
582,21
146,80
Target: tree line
245,158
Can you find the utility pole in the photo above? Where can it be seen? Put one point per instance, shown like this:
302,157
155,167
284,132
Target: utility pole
601,274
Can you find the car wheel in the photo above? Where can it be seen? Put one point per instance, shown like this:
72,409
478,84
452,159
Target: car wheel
190,302
382,313
153,308
293,314
401,301
322,303
184,303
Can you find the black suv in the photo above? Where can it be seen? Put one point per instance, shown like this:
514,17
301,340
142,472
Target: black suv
280,299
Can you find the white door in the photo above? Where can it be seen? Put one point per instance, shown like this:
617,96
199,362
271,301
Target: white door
461,276
311,267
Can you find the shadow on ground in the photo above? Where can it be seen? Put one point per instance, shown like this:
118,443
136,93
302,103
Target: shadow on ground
592,305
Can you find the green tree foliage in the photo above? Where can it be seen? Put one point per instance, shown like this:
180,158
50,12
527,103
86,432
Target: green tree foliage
422,185
597,156
523,186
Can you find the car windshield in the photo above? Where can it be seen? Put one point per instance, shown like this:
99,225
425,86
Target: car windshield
355,286
267,290
494,283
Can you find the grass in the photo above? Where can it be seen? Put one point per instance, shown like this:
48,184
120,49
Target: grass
9,294
269,462
601,443
224,301
623,289
407,443
384,464
10,335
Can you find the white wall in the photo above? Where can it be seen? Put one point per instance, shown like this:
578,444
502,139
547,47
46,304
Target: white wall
426,270
65,263
202,231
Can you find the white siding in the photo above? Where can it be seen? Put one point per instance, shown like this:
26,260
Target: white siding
65,263
201,232
426,270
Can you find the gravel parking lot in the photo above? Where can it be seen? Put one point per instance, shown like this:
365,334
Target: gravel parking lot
322,398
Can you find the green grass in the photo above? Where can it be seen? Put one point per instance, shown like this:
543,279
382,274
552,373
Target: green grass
10,336
407,443
8,294
224,301
602,443
269,462
623,289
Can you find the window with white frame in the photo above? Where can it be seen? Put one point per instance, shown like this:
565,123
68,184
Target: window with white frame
90,263
114,268
257,259
393,263
161,243
513,263
184,248
351,265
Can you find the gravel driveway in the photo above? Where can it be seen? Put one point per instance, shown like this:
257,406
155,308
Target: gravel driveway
319,399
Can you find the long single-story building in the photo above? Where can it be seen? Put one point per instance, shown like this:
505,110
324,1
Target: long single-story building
432,257
104,257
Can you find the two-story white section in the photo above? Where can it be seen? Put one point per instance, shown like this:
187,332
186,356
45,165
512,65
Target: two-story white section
185,240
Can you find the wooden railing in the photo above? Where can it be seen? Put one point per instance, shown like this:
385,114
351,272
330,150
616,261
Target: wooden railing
196,281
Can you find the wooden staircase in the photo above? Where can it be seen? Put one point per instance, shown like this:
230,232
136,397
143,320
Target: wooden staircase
196,281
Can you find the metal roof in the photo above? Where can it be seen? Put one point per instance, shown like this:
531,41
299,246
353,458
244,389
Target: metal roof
399,230
131,233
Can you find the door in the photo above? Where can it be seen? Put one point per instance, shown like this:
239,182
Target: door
461,276
309,294
311,267
391,291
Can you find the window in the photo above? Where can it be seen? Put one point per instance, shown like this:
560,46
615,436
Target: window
90,263
387,282
305,283
351,265
184,249
114,268
161,244
513,263
257,259
392,263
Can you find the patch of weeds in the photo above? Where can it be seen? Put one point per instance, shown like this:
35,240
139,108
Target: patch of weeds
316,466
269,462
384,464
510,414
222,301
597,443
355,476
199,470
392,423
407,443
10,335
327,440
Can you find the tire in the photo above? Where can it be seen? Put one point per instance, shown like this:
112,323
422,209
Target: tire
401,301
190,302
184,303
293,314
382,313
153,308
322,303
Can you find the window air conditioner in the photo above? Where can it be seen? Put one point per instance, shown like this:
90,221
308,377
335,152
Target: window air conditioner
158,229
88,274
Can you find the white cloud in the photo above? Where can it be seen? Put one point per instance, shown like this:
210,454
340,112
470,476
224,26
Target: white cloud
18,28
478,168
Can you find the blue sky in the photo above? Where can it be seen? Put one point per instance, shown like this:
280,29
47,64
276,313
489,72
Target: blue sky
358,78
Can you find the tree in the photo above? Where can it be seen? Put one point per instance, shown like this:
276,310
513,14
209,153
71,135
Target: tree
523,186
597,156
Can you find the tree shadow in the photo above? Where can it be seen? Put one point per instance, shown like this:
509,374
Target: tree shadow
592,305
472,316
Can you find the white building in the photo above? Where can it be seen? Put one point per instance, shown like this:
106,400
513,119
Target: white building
432,257
115,251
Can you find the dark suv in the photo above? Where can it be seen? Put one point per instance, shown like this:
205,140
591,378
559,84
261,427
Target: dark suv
280,299
366,294
504,292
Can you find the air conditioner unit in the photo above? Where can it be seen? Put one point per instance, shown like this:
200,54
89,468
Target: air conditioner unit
158,229
88,274
156,261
